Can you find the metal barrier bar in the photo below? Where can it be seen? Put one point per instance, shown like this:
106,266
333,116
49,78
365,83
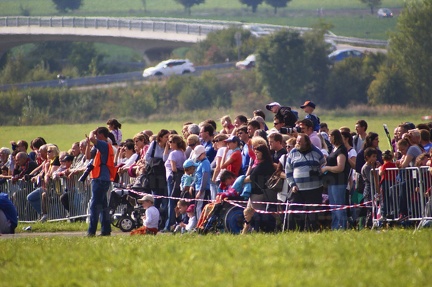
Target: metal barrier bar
18,192
400,195
425,195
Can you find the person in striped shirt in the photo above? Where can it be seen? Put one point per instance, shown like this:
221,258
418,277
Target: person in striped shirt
303,175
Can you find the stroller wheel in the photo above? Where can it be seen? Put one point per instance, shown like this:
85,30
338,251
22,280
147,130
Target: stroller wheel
126,224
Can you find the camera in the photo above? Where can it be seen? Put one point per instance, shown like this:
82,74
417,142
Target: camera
314,173
89,168
293,129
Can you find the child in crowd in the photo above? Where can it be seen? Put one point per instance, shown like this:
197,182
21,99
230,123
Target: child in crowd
151,218
309,108
192,222
388,178
4,172
227,180
232,187
188,179
114,126
181,217
371,159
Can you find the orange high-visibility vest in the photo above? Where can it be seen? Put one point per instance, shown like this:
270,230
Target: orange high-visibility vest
110,164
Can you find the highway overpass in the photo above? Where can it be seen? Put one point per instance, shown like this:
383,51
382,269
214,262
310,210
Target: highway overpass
140,34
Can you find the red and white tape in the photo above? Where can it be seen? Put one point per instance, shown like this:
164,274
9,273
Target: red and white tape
241,204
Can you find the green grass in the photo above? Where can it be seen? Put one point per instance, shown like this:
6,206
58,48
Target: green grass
367,258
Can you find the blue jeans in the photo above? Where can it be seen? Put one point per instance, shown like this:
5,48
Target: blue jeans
171,204
336,194
35,199
99,207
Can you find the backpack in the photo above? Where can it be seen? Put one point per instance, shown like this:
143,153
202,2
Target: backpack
316,121
289,117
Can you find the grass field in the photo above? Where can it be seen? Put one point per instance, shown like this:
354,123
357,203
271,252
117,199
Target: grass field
368,258
350,18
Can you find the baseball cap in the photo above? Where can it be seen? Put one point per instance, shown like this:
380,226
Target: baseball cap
232,139
271,105
189,163
198,150
191,208
308,104
148,197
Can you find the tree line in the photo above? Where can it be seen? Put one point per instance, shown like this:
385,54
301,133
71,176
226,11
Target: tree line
290,66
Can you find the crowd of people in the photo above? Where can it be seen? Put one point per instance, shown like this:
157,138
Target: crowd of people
204,164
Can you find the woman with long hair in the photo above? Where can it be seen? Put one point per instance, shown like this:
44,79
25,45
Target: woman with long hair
336,176
174,171
156,158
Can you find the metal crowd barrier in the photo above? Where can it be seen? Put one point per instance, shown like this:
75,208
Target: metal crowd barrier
65,198
402,196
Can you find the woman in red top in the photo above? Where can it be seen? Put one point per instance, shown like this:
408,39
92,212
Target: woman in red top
234,162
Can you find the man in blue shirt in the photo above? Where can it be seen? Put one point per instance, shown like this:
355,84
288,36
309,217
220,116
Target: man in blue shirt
206,135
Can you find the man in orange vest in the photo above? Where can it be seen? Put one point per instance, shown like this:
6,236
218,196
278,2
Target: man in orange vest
102,174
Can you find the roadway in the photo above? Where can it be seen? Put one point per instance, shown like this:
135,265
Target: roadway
101,80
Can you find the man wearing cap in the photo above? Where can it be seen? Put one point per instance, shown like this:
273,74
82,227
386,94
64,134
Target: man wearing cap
151,218
203,175
285,113
234,162
308,108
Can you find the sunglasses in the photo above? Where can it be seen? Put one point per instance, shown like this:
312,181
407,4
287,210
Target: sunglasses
276,123
216,141
170,141
49,151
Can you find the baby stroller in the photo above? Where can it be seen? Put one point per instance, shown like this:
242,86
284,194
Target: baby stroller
130,216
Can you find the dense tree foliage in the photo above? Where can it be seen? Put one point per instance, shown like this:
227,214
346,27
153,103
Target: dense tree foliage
221,45
291,66
277,4
372,4
47,59
188,4
388,87
64,6
350,79
252,3
411,50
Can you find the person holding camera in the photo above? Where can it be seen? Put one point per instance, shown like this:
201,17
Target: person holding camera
304,178
102,173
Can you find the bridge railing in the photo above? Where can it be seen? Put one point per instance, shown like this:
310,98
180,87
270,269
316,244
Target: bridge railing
182,26
112,23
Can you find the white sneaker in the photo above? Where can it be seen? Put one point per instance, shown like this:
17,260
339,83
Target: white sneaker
43,218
